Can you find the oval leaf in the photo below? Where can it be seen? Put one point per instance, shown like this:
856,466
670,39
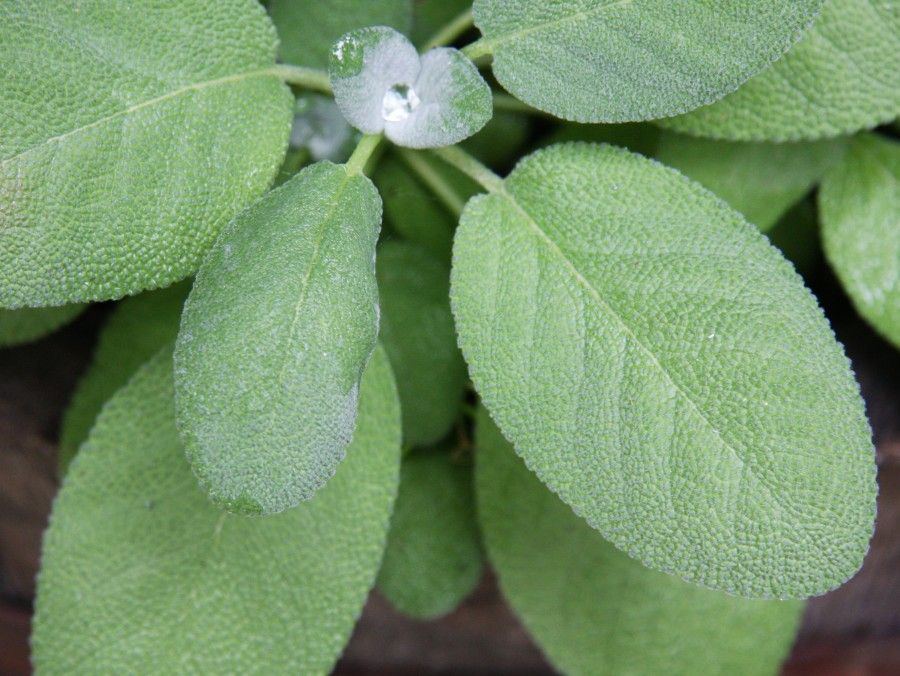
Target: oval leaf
132,132
27,324
418,334
275,335
140,571
629,60
382,85
860,207
595,611
662,368
843,76
433,557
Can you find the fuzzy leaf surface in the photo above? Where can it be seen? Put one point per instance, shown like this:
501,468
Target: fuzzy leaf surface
662,368
132,133
27,324
142,574
631,60
594,610
279,325
860,207
433,557
842,77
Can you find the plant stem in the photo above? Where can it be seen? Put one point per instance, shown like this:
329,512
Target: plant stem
308,78
359,160
478,49
433,180
510,104
450,31
459,158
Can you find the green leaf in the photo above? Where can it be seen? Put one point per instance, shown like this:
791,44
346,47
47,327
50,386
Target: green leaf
631,60
309,28
132,132
275,335
433,558
595,611
662,368
381,84
141,574
418,334
641,137
842,77
28,324
429,16
761,180
135,331
860,207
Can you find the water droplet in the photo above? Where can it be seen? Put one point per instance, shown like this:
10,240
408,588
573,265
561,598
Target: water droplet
399,101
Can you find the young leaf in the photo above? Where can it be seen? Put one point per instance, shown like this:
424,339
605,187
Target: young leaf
433,557
382,85
132,132
140,572
275,335
135,331
842,77
308,28
591,608
623,61
27,324
418,334
860,207
761,180
662,368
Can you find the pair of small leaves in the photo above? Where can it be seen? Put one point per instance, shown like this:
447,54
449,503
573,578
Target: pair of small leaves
860,206
662,368
594,610
142,574
176,123
381,84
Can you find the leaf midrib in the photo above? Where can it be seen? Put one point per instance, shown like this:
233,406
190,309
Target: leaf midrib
194,86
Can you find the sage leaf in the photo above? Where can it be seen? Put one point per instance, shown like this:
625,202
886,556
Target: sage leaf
663,369
860,207
632,60
27,324
308,28
592,609
842,77
381,84
433,557
132,132
761,180
136,330
418,334
142,574
279,325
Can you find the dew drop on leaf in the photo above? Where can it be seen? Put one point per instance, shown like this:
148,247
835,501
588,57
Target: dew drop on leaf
399,101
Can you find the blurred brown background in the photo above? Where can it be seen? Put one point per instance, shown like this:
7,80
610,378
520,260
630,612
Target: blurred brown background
854,630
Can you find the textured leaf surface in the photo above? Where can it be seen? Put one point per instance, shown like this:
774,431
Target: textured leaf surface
595,611
381,84
629,60
27,324
141,574
662,368
418,334
135,331
132,132
433,557
761,180
308,28
860,207
843,76
275,334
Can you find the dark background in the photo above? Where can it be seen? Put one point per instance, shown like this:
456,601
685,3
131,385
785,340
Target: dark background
854,630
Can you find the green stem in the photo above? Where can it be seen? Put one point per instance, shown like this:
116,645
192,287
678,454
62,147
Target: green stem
450,31
459,158
510,104
307,78
478,49
359,160
433,180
